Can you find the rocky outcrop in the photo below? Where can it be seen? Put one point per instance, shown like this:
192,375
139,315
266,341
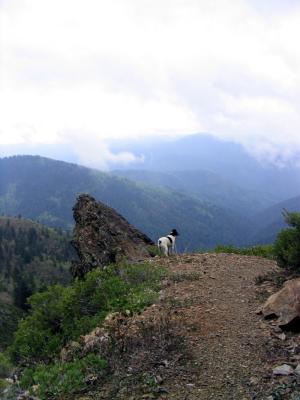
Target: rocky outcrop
102,236
285,304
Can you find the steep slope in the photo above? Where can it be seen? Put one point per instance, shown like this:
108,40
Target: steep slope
270,221
206,185
46,190
31,257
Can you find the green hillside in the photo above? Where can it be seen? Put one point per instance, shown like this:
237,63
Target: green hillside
45,190
31,257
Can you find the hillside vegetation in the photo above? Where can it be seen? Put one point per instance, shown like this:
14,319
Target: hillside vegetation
60,315
31,258
45,190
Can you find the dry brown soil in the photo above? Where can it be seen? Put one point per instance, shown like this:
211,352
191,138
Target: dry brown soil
216,300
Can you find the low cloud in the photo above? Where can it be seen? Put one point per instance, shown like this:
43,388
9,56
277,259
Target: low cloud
143,68
91,151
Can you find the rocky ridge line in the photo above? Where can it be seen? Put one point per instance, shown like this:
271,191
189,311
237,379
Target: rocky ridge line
102,236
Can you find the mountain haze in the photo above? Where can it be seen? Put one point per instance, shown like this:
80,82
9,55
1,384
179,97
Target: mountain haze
275,181
206,185
270,221
269,181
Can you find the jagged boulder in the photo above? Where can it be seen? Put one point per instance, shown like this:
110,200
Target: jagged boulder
102,236
285,304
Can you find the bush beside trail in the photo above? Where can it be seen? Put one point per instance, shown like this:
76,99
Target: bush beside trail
266,251
61,314
287,245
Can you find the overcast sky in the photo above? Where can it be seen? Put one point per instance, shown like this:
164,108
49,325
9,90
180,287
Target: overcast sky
79,73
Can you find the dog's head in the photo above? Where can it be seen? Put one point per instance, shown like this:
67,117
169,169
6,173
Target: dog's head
174,232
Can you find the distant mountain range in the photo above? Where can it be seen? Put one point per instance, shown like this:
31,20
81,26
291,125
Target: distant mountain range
46,190
230,161
207,207
264,220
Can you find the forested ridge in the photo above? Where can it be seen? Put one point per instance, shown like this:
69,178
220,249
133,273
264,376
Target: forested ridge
32,257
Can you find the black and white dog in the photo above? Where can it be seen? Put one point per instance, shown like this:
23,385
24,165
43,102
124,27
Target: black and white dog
166,244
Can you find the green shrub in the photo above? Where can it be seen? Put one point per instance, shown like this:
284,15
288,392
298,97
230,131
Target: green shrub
287,245
153,250
266,251
68,378
61,314
3,384
9,318
5,366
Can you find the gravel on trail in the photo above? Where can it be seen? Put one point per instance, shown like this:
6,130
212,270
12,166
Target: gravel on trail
215,300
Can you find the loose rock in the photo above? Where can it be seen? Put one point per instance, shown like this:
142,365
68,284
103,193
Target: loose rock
297,370
284,369
285,304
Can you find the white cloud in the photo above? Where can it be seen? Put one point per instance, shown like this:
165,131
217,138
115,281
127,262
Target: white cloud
94,152
85,72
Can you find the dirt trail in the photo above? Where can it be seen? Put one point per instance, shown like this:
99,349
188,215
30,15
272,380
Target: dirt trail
214,299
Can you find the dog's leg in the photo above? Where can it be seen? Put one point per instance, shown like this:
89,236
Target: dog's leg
165,251
175,249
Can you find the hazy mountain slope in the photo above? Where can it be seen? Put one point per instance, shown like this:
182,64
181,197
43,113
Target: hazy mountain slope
206,185
227,159
32,256
270,221
46,190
